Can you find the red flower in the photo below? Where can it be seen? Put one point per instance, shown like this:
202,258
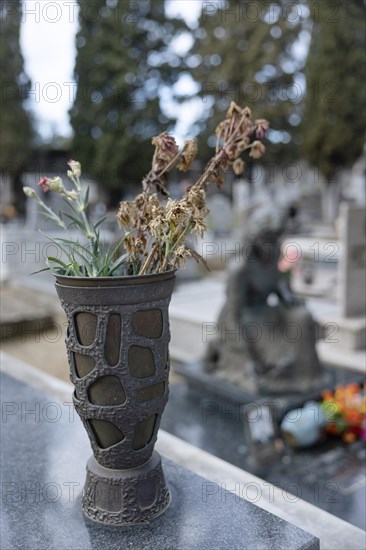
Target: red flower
44,184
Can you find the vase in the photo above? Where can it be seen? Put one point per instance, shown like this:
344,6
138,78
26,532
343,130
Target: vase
117,344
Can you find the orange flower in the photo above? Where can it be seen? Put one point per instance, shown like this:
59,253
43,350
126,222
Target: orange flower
349,437
327,395
353,416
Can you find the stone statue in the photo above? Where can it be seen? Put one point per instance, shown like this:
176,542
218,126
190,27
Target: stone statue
266,337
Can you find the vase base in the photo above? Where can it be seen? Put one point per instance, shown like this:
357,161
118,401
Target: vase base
125,497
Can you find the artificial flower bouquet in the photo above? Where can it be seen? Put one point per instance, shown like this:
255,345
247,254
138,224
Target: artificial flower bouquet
345,410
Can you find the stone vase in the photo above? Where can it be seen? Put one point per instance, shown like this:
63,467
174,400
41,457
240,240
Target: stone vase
117,344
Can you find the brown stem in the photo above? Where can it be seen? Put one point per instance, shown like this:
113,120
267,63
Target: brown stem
148,259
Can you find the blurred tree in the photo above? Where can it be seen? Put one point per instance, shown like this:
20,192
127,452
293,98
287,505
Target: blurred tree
249,52
335,110
123,62
16,125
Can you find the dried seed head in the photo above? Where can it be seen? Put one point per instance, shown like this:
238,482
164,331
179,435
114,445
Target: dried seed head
166,150
262,127
257,150
238,167
188,155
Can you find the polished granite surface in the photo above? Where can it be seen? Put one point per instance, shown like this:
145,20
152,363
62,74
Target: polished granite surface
44,450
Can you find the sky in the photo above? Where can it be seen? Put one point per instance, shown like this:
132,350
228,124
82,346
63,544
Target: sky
48,45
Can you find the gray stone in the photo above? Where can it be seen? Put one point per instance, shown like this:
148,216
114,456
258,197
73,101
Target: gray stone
23,313
44,450
352,269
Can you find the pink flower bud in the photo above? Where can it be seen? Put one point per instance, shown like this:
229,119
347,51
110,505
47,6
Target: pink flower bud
44,184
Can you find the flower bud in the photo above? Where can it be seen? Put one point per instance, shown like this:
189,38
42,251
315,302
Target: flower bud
29,192
75,167
73,195
44,184
55,184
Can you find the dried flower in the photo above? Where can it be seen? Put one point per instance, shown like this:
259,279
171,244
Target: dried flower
126,214
165,152
180,256
159,228
188,155
216,176
234,109
29,192
238,166
177,211
257,150
262,128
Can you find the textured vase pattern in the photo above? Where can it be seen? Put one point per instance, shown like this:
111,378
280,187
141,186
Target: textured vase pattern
117,344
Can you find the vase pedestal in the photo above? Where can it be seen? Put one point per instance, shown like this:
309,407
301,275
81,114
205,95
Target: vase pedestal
125,497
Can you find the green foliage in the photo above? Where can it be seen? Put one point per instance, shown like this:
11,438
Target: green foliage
335,114
244,51
84,257
122,64
15,128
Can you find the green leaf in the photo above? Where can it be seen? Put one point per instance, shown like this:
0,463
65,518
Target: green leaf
40,271
75,221
99,222
118,263
86,198
57,261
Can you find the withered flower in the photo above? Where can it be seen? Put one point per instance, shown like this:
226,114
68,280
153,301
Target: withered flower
180,256
158,242
262,127
234,109
188,155
126,214
216,176
177,211
257,150
236,148
165,152
238,166
196,197
159,228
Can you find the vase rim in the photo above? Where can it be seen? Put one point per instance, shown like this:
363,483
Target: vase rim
67,280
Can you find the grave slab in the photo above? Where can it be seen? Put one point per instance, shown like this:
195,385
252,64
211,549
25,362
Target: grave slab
44,450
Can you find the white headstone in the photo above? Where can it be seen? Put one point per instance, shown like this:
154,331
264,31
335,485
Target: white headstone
352,269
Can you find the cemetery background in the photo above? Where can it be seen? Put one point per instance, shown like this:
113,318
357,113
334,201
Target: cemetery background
331,272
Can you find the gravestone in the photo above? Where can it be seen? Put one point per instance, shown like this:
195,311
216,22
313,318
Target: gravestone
352,270
43,462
